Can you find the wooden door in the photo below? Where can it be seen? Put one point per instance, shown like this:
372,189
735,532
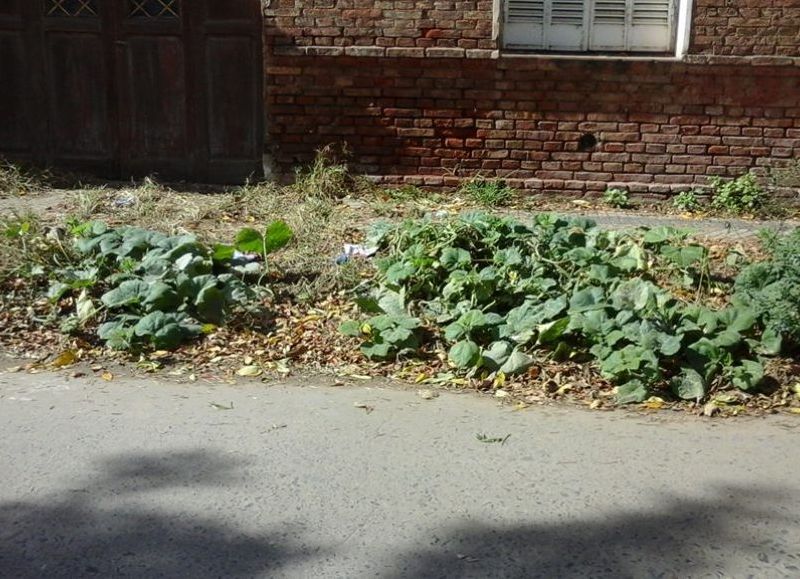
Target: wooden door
134,87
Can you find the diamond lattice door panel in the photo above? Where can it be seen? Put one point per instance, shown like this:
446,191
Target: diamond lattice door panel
127,88
71,8
154,9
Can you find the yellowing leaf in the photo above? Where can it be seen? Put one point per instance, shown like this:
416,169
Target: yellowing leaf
427,394
654,403
65,358
794,410
107,376
499,380
249,371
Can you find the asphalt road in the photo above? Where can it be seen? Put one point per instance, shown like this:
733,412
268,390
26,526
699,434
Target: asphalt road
144,479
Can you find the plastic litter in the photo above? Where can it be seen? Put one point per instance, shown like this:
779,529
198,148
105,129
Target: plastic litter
353,250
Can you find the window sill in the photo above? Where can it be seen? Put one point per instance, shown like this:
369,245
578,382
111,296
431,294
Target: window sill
590,56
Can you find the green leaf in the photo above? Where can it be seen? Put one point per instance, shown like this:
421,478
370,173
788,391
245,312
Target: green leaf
399,272
771,342
377,350
162,330
552,331
351,328
472,319
276,236
249,240
632,392
211,305
517,363
685,256
455,258
223,253
161,296
747,375
670,345
689,385
465,354
454,332
129,292
590,298
497,354
397,336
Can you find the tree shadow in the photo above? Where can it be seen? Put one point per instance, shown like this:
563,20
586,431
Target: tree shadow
73,534
682,538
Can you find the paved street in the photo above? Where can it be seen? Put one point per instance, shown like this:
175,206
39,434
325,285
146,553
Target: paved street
134,478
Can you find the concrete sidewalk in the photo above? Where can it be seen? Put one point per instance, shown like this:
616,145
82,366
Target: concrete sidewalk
148,479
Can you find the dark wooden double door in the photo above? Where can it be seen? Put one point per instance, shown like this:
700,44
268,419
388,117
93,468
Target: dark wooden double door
133,87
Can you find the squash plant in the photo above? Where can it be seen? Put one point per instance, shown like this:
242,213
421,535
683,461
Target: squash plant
158,290
498,294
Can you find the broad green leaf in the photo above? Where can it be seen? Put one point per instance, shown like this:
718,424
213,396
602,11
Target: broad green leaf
670,345
397,336
747,375
464,354
689,385
496,355
516,363
771,342
161,296
129,292
587,299
455,258
454,332
632,392
472,319
211,305
249,240
223,253
351,328
276,236
377,350
552,331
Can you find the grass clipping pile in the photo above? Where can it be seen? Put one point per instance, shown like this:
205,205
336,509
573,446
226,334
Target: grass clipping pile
557,310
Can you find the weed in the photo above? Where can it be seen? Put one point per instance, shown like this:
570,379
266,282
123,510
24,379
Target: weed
487,192
686,201
327,177
17,180
616,198
737,196
404,193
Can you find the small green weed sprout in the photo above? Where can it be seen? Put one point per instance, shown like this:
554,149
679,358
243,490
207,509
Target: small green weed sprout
686,201
487,192
616,198
737,196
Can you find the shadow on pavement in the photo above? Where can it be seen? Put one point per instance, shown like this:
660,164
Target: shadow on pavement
104,526
683,538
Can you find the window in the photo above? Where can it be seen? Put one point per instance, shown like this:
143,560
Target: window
590,25
153,9
70,8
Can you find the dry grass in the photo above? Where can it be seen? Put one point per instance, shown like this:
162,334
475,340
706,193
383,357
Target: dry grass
305,269
17,180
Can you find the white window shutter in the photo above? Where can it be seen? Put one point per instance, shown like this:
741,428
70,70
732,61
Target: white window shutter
567,25
651,25
609,25
524,24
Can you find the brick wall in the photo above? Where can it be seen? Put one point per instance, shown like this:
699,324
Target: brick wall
747,27
438,110
386,23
